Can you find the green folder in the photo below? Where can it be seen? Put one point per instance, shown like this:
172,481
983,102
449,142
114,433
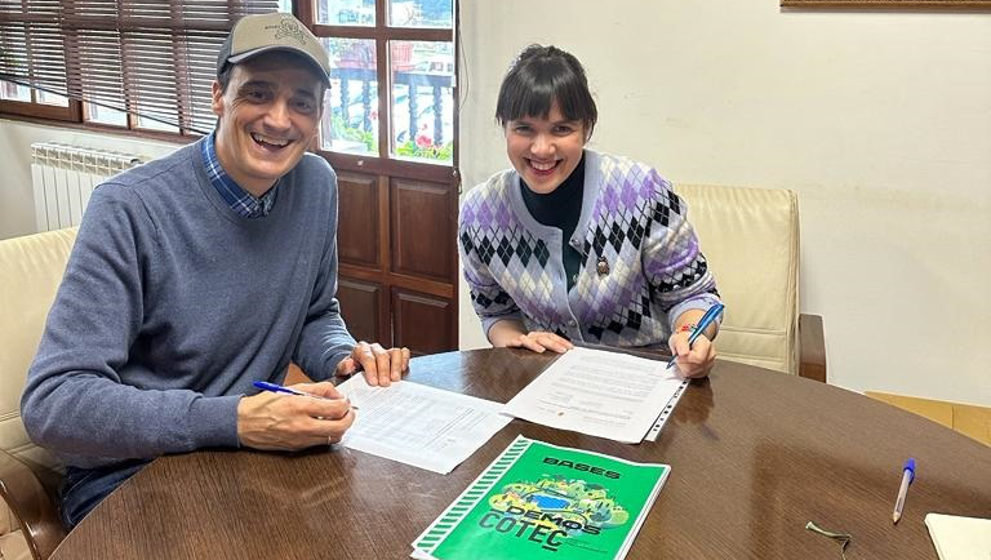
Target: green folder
538,500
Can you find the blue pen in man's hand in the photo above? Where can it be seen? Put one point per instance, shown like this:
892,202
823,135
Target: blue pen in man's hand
706,320
276,388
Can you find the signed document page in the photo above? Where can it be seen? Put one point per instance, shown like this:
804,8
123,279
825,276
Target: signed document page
419,425
598,393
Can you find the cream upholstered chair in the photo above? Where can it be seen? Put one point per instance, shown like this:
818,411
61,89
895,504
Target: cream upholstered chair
750,238
31,268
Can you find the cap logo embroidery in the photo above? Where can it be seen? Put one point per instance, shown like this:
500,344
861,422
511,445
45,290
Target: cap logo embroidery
289,28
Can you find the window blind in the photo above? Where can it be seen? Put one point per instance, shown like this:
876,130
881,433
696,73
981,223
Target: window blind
154,58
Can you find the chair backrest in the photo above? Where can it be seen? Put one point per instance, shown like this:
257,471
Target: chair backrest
751,240
31,269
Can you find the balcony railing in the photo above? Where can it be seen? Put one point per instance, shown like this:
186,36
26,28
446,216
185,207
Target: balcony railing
360,80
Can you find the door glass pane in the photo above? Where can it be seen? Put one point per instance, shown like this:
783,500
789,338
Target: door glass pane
421,13
422,100
14,92
350,113
346,12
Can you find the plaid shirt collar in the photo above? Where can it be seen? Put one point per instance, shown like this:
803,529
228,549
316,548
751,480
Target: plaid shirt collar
241,201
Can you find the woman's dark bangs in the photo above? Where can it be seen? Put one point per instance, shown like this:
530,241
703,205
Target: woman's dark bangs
569,99
531,89
533,100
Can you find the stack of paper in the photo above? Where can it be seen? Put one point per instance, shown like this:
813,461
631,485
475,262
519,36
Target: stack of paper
959,538
538,500
419,425
601,393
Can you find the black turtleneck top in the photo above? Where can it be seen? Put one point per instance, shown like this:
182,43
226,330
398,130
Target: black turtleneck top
561,209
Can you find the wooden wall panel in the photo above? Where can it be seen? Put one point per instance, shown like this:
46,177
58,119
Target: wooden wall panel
358,231
361,307
423,229
423,323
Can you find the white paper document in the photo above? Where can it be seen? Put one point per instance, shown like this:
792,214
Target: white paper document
959,538
666,412
599,393
419,425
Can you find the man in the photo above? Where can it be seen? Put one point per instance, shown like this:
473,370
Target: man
199,273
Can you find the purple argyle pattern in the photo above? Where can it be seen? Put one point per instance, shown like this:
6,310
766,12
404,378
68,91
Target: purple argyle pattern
632,222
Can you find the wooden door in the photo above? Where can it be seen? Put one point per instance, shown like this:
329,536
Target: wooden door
398,260
389,129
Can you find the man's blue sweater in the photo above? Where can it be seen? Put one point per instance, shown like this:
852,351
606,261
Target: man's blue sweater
172,305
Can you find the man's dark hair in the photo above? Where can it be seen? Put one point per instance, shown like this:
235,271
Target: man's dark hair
224,77
540,76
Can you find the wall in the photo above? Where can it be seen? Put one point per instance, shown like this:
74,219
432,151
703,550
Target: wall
16,194
881,121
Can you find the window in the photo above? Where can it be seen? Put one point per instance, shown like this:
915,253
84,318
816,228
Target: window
20,99
122,63
393,76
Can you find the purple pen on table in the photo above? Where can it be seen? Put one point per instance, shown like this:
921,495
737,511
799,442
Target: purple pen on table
908,475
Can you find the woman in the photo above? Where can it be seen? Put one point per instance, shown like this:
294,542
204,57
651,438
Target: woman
575,245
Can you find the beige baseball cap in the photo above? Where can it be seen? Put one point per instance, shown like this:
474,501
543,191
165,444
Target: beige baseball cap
277,31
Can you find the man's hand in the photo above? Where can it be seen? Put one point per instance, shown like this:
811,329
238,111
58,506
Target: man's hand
381,366
696,361
274,421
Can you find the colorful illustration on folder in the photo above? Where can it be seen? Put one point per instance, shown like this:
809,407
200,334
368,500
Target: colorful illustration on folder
568,506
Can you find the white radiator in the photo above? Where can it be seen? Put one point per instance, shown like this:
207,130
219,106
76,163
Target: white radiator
64,176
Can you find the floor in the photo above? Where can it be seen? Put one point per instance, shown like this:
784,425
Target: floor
972,421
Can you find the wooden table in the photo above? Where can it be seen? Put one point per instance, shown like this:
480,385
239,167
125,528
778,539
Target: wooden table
755,455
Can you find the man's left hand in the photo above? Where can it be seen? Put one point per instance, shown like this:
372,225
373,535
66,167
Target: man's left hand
380,366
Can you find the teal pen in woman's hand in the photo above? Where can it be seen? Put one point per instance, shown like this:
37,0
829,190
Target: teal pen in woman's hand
276,388
703,324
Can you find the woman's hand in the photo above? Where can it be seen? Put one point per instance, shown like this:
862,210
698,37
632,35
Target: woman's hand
510,333
692,362
538,341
